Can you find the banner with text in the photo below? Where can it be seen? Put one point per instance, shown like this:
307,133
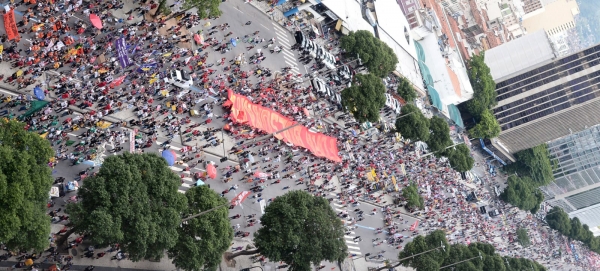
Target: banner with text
11,25
121,47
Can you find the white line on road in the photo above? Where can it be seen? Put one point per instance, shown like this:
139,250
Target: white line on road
265,26
355,252
351,247
181,191
277,26
289,54
338,205
9,93
238,9
289,58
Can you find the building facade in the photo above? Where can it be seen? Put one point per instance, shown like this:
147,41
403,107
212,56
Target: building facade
576,188
540,102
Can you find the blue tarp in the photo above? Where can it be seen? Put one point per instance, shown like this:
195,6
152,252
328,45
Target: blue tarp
280,2
290,12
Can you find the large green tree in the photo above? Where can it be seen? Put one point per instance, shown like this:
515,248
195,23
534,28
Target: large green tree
486,127
559,220
534,163
412,197
301,230
133,201
439,137
364,98
406,91
202,240
474,257
412,124
522,193
459,157
523,237
377,56
25,181
484,88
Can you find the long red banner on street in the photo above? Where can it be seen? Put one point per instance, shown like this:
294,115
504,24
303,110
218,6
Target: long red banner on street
267,120
11,25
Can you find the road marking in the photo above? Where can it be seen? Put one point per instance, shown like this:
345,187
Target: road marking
265,27
351,247
338,205
9,93
238,9
365,227
289,58
351,242
277,26
289,54
72,134
339,210
181,191
186,185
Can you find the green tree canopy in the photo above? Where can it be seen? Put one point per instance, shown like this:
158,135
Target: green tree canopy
377,56
559,220
364,98
25,181
484,88
459,157
523,237
522,193
451,255
534,163
406,91
202,240
301,230
412,124
439,138
412,197
486,127
133,201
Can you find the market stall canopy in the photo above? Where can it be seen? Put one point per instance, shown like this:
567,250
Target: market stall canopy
211,170
170,156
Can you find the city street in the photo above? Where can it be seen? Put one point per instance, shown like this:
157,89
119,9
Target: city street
191,122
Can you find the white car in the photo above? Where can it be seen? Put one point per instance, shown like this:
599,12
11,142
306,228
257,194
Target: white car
180,78
319,86
344,72
388,100
329,61
320,52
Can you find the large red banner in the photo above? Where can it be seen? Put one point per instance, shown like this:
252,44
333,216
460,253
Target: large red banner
265,119
11,25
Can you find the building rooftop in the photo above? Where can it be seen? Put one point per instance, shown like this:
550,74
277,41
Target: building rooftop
519,54
350,11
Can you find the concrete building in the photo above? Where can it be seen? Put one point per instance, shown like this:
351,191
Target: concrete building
530,6
542,97
556,17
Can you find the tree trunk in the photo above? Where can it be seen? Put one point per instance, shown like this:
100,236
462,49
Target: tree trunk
241,253
60,242
161,5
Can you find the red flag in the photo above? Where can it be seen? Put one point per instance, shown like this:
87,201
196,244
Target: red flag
414,226
240,198
117,82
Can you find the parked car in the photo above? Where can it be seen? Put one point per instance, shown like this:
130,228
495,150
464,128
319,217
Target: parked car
344,72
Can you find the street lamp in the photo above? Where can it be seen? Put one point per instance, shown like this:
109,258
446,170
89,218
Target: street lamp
409,257
480,257
248,268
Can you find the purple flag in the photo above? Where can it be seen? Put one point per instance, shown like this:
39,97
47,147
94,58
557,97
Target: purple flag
121,48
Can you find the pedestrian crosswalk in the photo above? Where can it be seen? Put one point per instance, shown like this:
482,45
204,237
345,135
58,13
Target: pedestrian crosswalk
286,44
350,237
187,181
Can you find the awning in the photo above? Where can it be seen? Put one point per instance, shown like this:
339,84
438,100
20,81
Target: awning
280,2
338,25
290,12
455,115
491,152
435,97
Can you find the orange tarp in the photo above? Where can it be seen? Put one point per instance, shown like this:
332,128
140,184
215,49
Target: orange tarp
10,25
244,111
